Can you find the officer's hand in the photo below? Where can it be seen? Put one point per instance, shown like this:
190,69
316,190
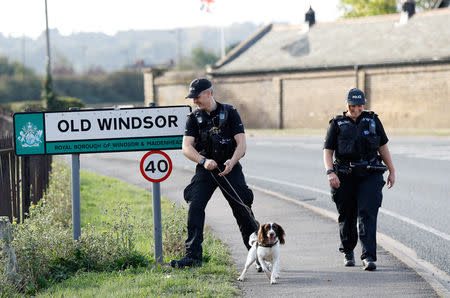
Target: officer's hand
390,180
334,180
210,164
228,167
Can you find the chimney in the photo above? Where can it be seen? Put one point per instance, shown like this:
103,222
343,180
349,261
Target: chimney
408,10
310,17
409,7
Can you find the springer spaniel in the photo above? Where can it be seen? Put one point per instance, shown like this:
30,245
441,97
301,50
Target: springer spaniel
265,247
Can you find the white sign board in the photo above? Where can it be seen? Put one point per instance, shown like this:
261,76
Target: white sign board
108,124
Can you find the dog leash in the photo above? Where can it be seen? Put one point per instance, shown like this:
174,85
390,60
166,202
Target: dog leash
239,200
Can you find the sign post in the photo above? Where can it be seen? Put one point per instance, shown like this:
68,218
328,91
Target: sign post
95,131
156,166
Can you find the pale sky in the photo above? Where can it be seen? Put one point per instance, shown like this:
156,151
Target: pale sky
27,17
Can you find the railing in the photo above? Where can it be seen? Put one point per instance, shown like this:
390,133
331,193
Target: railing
23,180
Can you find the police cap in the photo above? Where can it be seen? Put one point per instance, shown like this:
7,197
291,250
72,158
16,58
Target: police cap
197,86
356,97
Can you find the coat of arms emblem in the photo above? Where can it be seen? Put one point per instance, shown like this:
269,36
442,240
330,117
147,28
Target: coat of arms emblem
30,136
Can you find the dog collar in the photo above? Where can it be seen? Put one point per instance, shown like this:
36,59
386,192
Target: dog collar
267,245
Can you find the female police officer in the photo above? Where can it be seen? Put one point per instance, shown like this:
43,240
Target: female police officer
356,175
215,140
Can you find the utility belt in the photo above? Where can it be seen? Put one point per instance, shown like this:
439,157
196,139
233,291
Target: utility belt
361,167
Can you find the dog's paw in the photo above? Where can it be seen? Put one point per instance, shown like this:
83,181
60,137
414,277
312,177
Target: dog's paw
273,281
240,278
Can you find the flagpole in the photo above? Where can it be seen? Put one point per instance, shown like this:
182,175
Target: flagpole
222,42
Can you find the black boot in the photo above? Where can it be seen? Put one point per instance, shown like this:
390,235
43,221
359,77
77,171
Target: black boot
185,262
349,259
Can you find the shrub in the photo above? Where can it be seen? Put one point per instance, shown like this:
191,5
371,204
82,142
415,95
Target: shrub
47,253
63,103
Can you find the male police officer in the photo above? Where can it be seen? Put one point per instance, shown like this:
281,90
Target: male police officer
356,176
215,140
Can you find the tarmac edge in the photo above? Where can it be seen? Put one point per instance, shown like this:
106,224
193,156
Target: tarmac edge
436,278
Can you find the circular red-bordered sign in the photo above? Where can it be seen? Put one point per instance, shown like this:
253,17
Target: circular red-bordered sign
156,166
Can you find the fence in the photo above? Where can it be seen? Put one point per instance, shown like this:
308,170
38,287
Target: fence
23,180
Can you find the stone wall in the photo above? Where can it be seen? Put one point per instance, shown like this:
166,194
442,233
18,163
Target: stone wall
403,97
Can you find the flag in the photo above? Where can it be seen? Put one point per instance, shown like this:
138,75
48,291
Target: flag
205,5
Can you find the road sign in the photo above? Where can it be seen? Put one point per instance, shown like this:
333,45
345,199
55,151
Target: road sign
156,166
104,130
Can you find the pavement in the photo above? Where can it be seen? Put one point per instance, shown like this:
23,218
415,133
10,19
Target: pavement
311,265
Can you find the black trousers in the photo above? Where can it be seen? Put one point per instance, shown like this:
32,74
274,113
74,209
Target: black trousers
199,192
358,200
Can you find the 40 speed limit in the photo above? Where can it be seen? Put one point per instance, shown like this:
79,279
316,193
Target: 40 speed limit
156,166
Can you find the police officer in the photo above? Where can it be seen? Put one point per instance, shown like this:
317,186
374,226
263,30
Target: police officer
359,144
215,140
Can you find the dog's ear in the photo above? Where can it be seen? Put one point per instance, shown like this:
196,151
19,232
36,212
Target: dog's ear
261,234
280,233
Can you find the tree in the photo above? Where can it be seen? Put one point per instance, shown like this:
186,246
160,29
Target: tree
361,8
62,65
48,95
426,4
200,58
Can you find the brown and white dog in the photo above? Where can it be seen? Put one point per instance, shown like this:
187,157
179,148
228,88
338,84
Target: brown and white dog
265,246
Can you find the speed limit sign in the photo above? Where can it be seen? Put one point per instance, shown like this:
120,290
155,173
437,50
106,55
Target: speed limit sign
156,166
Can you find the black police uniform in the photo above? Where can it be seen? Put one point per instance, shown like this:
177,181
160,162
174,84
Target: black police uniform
355,144
214,139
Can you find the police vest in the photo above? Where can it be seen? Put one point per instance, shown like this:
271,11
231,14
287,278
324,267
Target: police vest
357,141
215,141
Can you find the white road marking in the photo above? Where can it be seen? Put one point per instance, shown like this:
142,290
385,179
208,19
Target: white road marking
382,210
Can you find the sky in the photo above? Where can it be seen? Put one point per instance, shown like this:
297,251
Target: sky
27,17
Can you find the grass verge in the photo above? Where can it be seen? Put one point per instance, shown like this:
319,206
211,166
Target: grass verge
114,256
214,279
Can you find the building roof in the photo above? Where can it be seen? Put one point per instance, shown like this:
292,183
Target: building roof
345,43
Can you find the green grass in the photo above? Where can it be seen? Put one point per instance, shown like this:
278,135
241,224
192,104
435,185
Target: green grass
215,279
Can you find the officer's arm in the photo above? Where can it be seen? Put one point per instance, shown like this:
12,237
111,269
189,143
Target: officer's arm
189,150
333,179
386,156
241,147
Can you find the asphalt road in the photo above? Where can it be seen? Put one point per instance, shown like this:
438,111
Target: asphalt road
415,212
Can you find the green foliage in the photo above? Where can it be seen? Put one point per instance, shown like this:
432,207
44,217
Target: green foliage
198,60
114,254
22,106
46,252
174,231
17,83
123,86
65,103
48,94
425,4
201,58
360,8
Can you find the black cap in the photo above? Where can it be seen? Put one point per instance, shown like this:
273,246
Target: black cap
356,97
197,86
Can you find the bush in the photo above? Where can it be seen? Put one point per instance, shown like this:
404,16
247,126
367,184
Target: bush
63,103
47,253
